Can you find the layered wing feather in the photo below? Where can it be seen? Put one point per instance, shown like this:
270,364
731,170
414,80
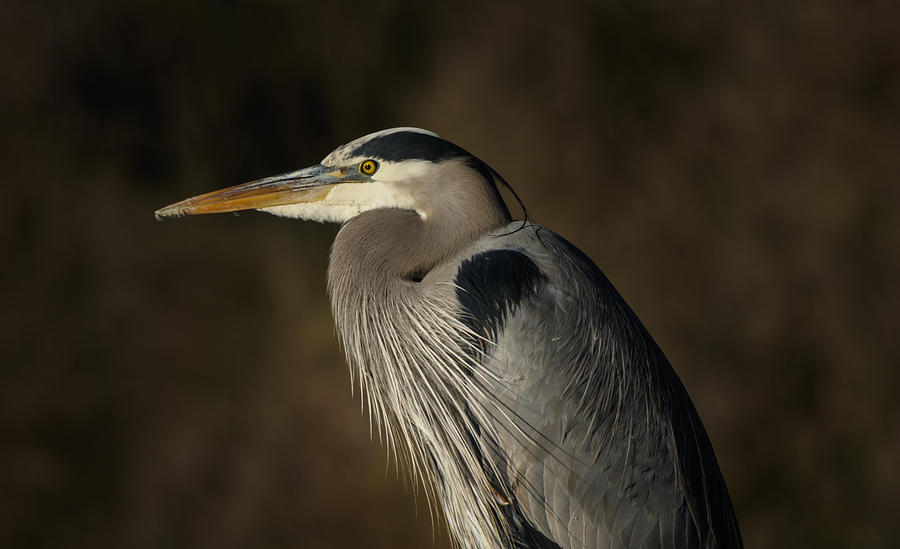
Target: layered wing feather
599,441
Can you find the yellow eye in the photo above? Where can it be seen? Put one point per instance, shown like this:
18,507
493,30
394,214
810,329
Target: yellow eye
368,167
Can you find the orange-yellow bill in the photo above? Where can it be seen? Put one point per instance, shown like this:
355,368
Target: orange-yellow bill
308,185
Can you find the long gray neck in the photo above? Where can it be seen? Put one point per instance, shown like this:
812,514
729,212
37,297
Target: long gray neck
389,244
382,246
409,350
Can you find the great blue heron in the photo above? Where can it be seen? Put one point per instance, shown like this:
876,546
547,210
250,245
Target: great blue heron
495,356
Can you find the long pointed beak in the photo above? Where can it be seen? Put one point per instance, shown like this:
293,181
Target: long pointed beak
303,186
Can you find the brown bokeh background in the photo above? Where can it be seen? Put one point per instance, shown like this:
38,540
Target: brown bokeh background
733,167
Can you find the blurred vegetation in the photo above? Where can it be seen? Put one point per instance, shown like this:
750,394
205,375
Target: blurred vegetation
733,167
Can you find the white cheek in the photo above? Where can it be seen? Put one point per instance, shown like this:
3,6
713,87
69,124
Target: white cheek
346,201
369,196
408,170
316,211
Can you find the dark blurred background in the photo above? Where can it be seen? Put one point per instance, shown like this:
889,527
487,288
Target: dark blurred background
733,168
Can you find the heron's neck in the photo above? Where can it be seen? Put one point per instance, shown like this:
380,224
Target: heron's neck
391,245
414,358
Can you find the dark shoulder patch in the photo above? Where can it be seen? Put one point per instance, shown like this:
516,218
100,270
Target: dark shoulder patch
493,284
406,145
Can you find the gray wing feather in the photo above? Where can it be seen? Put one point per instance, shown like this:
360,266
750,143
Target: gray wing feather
603,447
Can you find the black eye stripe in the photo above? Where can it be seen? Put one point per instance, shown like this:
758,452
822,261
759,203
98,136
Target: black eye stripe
408,145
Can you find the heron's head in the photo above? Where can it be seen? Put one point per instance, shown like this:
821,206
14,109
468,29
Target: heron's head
401,168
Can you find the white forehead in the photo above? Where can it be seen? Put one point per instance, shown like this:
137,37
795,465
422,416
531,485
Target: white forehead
344,153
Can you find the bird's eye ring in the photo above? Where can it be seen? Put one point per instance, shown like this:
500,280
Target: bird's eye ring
368,167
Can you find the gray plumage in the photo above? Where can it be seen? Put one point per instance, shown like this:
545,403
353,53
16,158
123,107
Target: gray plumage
497,360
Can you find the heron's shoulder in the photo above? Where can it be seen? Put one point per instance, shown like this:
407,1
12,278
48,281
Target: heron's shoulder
512,257
564,266
515,265
541,245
